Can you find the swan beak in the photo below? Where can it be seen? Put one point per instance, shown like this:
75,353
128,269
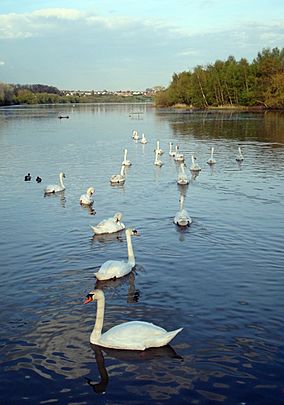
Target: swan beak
88,299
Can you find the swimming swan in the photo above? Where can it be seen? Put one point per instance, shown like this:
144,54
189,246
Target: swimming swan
239,157
194,166
133,335
182,218
87,199
135,135
110,225
126,162
118,178
211,160
158,161
143,139
55,188
158,149
178,156
115,268
182,177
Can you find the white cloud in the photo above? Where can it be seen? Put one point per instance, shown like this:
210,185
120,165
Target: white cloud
2,63
60,13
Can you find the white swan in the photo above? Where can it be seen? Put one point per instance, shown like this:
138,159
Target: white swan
182,218
182,177
211,160
135,135
55,188
109,225
239,157
118,178
194,166
171,151
143,139
158,161
87,199
178,156
133,335
158,149
115,268
126,162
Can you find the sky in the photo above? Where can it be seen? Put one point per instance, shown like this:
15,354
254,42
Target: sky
129,44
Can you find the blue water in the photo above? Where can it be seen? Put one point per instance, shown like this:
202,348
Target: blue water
221,279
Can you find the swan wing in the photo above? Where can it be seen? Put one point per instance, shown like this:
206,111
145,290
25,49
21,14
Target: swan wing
108,226
136,335
113,269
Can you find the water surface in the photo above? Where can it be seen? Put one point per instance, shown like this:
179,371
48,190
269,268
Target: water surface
221,279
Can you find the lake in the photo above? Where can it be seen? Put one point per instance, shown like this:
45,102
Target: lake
221,279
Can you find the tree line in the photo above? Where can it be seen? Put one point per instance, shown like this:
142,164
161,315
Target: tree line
16,94
230,83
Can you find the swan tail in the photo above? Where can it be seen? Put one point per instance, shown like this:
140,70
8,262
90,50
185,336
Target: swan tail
172,334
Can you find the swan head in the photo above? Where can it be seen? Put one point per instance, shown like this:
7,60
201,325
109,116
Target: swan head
90,191
117,217
94,295
132,232
62,174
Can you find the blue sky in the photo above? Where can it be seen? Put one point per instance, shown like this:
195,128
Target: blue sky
129,44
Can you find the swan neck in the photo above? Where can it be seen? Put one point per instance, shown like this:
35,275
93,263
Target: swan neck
125,154
181,202
61,180
131,258
122,171
97,331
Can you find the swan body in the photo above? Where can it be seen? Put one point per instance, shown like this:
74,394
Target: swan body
133,335
158,161
171,151
126,162
182,218
239,157
118,178
143,139
182,177
178,157
28,177
110,225
56,188
115,268
87,199
158,149
135,135
211,160
194,166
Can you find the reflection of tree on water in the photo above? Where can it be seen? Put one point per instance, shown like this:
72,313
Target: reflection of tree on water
60,195
127,356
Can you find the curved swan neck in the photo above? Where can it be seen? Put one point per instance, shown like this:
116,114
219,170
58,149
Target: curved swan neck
131,258
97,331
61,180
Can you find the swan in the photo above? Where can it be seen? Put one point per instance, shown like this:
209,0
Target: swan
133,335
182,218
178,156
87,199
118,178
56,188
211,160
28,177
126,162
135,135
194,166
115,268
143,139
158,161
158,149
109,225
38,179
240,157
171,151
182,177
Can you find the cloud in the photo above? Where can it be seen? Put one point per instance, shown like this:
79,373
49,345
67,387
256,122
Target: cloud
2,63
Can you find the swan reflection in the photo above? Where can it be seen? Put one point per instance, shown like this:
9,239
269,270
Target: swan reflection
133,294
156,355
60,195
107,237
88,208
